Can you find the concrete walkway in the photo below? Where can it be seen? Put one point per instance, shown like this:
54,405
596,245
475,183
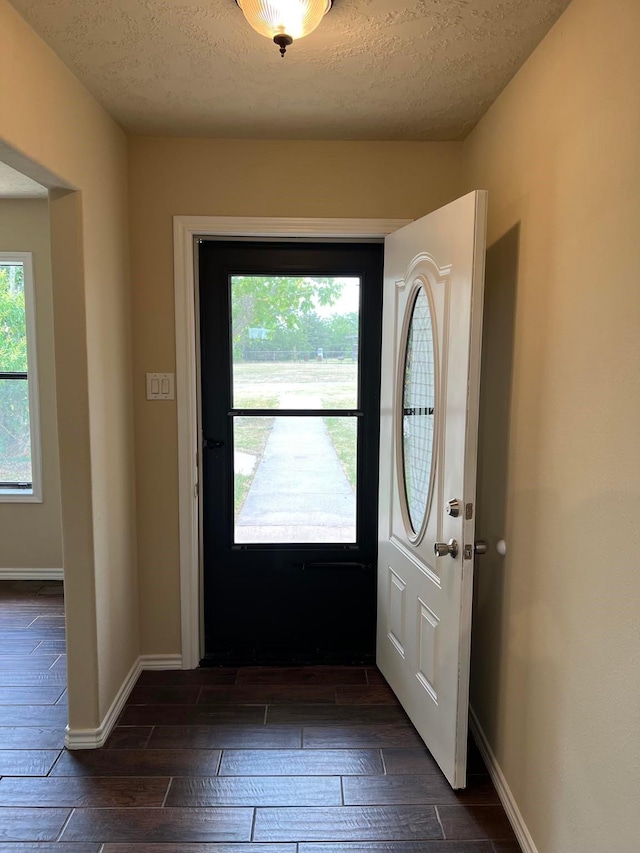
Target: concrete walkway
300,492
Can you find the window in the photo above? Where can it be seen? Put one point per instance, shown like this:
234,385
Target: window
20,478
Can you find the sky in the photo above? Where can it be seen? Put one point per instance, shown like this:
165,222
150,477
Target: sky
349,300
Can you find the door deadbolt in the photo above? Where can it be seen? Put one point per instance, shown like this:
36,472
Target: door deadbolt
443,548
453,507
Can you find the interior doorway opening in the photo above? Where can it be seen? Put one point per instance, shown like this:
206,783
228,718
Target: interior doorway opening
33,672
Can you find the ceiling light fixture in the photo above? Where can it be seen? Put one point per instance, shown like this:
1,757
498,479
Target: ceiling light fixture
284,20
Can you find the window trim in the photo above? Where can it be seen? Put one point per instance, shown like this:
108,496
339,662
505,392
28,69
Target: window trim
33,495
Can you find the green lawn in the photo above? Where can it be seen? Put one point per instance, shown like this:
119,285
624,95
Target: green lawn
333,382
343,433
250,436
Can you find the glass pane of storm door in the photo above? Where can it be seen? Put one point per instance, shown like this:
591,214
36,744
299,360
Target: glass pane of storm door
295,479
295,346
295,342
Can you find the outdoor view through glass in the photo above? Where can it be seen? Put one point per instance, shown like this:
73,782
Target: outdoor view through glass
295,343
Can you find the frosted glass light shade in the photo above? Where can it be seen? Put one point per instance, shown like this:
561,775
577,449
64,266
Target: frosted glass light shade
294,18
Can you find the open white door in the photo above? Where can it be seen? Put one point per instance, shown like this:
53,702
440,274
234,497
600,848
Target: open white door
433,291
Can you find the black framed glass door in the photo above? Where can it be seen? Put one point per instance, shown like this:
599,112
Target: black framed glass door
290,370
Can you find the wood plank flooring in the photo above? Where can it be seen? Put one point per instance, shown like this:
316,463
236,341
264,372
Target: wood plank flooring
255,760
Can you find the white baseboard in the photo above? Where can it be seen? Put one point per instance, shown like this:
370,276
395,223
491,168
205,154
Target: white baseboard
161,661
95,738
31,575
504,791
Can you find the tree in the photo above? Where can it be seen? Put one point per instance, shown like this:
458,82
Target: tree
273,302
13,337
15,445
341,332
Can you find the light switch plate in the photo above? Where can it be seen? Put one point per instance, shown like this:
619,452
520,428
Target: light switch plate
161,386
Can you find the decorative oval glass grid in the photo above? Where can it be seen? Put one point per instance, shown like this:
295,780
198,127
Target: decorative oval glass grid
418,412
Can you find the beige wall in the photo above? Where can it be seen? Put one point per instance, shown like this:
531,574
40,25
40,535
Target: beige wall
556,657
555,669
236,178
31,534
49,122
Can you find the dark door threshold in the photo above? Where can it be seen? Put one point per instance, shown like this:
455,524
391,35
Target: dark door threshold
266,657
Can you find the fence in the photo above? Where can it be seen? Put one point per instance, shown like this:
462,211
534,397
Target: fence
298,355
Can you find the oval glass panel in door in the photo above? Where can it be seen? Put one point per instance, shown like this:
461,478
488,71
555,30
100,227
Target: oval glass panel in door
418,411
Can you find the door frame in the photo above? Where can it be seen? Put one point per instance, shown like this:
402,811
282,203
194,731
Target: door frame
186,231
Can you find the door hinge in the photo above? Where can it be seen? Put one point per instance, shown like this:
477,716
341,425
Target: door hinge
196,490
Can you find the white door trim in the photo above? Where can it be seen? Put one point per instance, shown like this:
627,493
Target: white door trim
185,230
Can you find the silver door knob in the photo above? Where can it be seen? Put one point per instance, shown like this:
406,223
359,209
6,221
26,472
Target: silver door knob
480,547
443,548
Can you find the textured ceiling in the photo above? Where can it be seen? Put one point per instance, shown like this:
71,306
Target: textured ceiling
16,185
375,69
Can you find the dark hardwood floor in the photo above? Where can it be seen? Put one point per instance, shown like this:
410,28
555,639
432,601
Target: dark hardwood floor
258,760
